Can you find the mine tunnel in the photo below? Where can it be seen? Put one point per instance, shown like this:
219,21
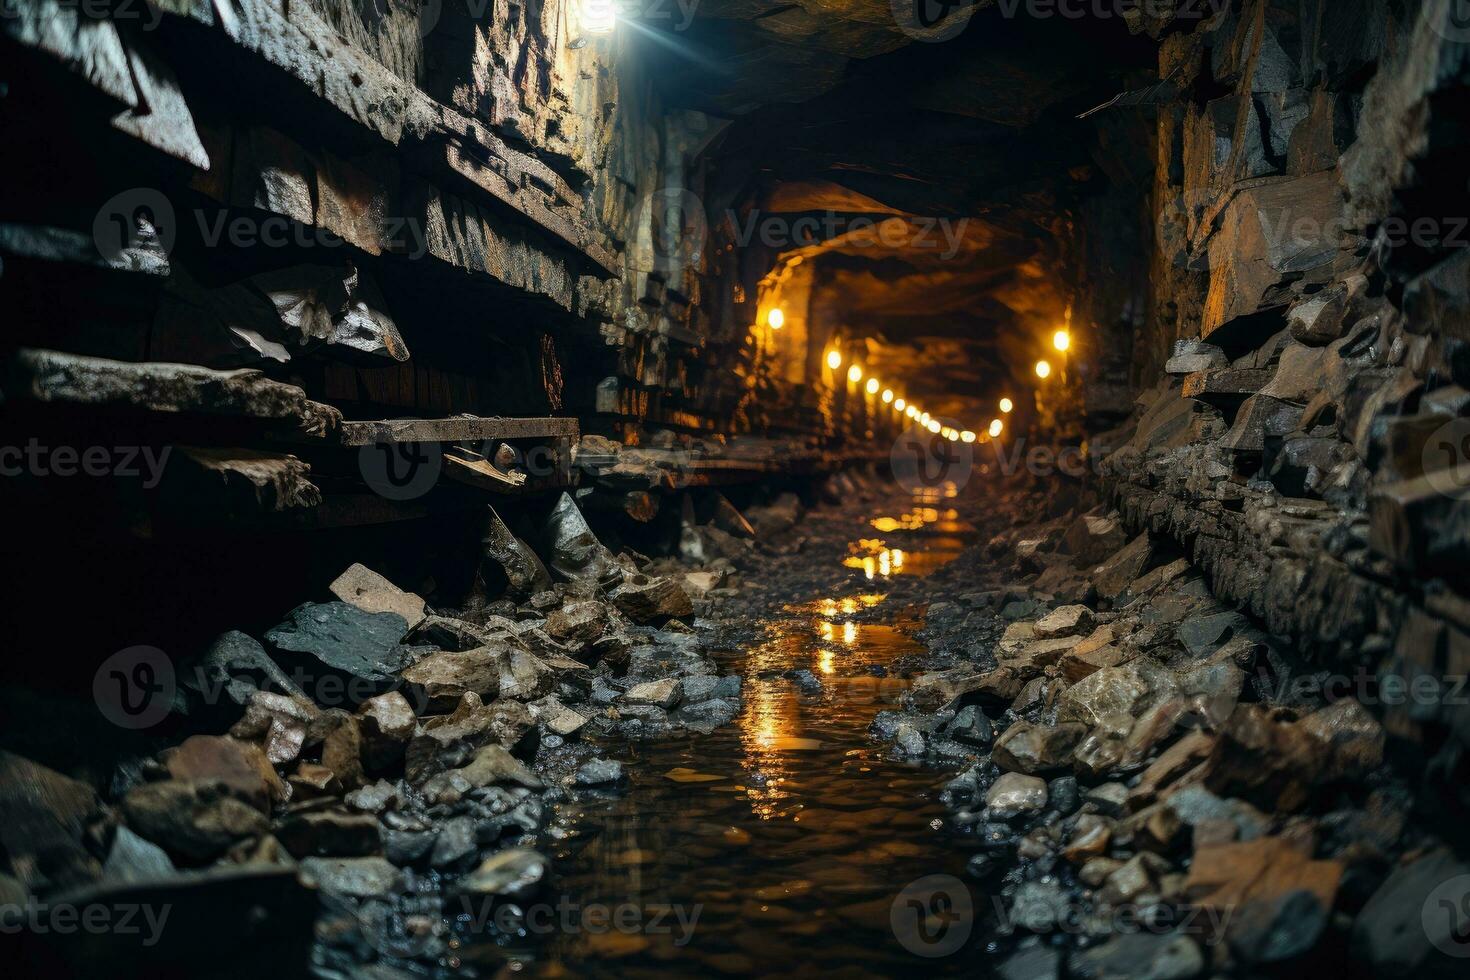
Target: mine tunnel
629,488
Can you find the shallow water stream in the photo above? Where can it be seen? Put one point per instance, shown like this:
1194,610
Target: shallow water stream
779,844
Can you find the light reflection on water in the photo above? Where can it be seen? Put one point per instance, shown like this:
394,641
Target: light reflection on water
788,829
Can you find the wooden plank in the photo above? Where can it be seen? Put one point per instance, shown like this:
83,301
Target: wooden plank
175,389
480,474
464,428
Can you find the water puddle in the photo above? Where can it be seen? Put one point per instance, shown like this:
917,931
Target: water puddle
777,845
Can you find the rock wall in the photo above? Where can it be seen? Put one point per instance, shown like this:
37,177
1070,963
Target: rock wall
1306,441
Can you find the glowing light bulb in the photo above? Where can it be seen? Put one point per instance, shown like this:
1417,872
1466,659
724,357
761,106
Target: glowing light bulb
776,318
924,420
854,374
1006,405
967,436
952,436
1061,340
598,16
873,386
996,427
834,359
933,426
887,396
898,406
1043,369
911,412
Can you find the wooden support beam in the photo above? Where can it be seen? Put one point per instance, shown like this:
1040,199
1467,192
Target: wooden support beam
48,376
462,428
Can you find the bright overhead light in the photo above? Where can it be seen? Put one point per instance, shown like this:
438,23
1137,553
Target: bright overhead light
1061,340
933,425
834,359
967,436
1043,369
898,405
952,436
873,386
887,396
924,419
598,16
776,318
996,427
911,412
1006,405
854,374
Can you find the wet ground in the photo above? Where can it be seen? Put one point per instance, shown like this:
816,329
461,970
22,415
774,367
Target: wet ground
783,844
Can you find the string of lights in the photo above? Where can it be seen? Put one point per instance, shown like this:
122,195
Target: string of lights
1061,341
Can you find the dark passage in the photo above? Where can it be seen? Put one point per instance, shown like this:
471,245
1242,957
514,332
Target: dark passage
626,488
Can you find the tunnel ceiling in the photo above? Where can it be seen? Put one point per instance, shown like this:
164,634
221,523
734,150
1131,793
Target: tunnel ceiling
836,111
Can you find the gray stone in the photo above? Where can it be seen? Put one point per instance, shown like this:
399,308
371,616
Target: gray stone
359,877
134,859
1142,955
344,638
664,693
1013,795
1032,748
515,873
599,772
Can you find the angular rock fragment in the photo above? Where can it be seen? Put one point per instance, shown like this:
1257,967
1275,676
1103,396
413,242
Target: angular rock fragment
1030,749
1014,794
330,833
281,724
523,568
347,641
371,592
357,877
577,622
1114,575
234,667
386,722
1065,621
576,554
240,766
193,821
646,599
43,816
1092,539
440,680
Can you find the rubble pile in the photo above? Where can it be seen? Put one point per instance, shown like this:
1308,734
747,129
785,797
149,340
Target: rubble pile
393,757
1153,783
